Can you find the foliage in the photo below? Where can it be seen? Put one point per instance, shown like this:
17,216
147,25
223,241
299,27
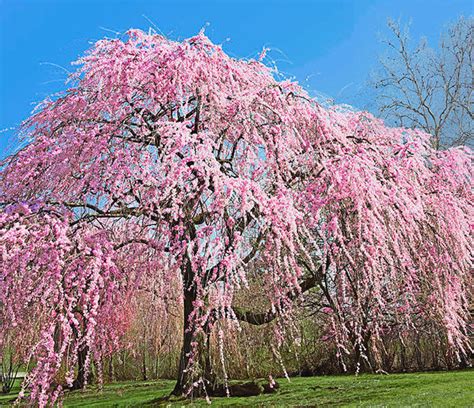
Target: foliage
381,208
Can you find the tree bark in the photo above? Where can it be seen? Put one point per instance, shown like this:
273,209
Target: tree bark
200,369
111,368
144,371
80,380
144,349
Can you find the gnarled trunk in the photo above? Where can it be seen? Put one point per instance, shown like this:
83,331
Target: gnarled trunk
194,363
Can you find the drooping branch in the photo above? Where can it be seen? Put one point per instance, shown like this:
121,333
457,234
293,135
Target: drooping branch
260,318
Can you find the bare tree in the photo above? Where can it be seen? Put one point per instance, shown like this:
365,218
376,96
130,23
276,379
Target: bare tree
429,88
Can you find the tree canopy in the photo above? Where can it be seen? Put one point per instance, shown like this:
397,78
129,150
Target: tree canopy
172,167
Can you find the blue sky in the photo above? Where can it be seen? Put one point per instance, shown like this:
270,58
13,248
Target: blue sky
330,47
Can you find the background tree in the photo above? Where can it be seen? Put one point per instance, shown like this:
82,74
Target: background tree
429,88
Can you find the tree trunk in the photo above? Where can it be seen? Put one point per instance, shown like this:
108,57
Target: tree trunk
111,368
200,369
144,372
184,379
403,357
418,353
80,380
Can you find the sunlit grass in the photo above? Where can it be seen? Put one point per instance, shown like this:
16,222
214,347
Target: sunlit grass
440,389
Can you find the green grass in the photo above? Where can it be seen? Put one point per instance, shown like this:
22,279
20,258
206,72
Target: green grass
440,389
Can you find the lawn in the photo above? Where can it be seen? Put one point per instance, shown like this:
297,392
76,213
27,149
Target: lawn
440,389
